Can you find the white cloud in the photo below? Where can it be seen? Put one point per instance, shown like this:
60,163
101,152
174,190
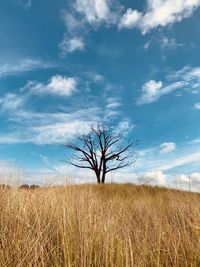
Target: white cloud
153,90
197,106
152,87
167,147
162,13
183,179
192,179
71,45
194,73
150,91
153,178
58,85
11,102
195,178
95,11
130,19
21,66
187,79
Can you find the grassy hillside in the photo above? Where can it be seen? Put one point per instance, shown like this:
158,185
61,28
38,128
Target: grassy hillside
112,225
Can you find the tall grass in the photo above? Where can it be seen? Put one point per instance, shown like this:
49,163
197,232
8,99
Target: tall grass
112,225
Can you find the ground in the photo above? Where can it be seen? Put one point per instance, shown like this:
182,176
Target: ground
91,225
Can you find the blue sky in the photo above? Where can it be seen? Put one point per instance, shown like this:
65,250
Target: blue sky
134,64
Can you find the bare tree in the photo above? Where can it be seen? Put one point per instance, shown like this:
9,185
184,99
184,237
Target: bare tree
102,151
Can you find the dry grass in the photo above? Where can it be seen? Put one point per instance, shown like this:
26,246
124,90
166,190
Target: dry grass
112,225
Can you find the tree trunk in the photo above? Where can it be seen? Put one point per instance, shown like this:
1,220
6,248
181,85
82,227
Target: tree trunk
98,178
103,172
103,178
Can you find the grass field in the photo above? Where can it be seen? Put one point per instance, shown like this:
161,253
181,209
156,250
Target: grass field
88,225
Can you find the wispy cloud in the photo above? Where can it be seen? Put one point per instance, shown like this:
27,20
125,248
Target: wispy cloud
160,158
49,128
164,42
113,102
22,66
10,138
170,43
187,78
55,128
11,102
167,147
166,161
113,105
180,161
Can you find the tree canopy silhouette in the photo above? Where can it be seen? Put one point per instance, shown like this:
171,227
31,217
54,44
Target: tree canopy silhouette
102,150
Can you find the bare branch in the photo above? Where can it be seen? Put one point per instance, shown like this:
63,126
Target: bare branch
79,166
119,167
102,151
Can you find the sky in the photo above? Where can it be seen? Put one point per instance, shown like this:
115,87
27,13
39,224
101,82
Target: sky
134,64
